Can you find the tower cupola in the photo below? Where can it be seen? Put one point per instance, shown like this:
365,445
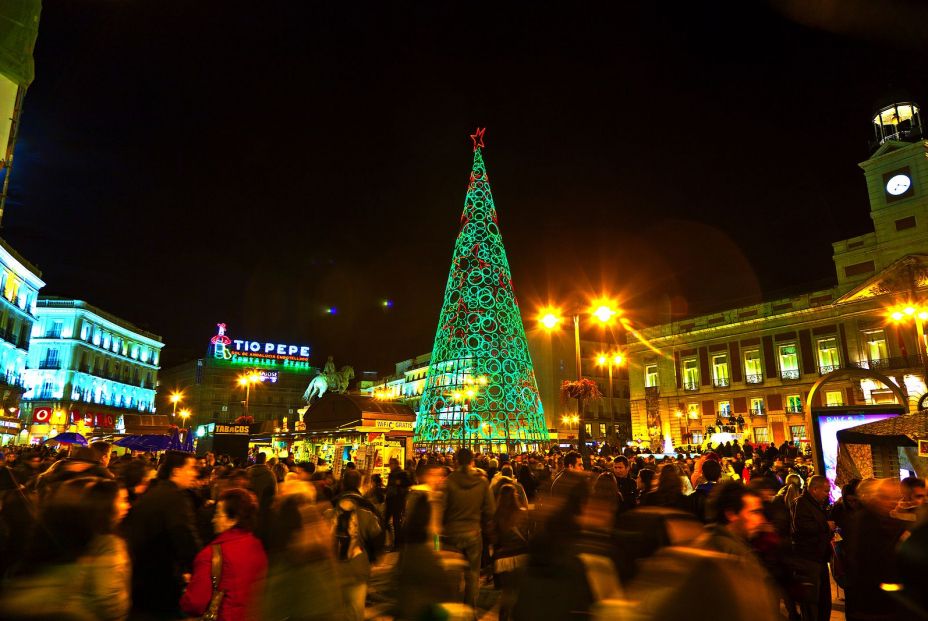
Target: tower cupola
899,121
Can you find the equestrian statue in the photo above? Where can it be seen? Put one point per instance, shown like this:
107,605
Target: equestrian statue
329,380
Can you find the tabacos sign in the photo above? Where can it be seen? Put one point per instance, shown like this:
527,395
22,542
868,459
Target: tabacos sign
224,347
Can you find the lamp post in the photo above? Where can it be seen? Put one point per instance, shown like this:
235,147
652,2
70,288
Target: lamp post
246,382
184,415
918,314
550,319
610,360
175,398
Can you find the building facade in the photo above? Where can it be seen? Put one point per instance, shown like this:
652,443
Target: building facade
553,358
215,388
87,368
20,283
749,370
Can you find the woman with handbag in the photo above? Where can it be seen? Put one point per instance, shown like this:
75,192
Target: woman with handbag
228,574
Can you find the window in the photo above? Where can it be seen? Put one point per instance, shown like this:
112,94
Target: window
85,332
588,427
720,370
650,376
692,411
724,408
753,371
51,359
760,434
11,288
793,404
877,352
602,429
54,332
797,432
828,359
834,397
757,406
690,374
789,362
697,437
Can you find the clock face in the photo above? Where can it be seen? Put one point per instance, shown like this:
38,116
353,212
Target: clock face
898,184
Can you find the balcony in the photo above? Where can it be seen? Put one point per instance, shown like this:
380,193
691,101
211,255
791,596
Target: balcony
50,364
789,374
692,386
754,378
898,362
651,391
721,382
793,409
758,411
824,369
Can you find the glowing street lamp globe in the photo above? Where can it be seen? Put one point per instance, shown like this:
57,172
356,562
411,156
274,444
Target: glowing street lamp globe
550,321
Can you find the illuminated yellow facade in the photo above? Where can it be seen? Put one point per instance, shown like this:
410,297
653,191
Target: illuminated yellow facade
756,364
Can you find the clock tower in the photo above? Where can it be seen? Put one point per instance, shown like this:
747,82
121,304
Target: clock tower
897,184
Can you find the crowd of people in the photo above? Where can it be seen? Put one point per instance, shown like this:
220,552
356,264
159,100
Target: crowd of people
87,534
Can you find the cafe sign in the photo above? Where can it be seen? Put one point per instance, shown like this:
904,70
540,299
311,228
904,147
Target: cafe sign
395,424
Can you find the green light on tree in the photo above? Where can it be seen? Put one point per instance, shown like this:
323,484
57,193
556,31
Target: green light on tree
480,388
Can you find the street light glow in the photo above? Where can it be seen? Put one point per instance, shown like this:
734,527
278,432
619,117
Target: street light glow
604,313
601,360
618,360
549,320
897,316
184,413
176,396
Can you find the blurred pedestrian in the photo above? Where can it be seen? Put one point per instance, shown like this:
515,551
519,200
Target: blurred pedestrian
238,558
467,516
162,538
75,566
812,535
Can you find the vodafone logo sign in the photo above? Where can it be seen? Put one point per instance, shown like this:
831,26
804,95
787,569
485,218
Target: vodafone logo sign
42,415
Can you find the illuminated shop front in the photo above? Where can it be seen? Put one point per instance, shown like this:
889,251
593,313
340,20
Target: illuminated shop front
341,428
239,377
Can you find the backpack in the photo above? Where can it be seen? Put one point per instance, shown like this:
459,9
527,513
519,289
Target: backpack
357,530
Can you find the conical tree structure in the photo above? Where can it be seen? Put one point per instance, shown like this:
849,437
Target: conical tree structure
480,390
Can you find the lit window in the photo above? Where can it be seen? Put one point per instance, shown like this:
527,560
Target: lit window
834,397
789,362
720,370
757,406
602,429
725,408
11,288
753,371
692,410
828,359
650,376
877,352
798,432
690,374
760,434
794,404
588,427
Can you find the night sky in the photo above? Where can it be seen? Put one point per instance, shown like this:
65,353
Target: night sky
183,163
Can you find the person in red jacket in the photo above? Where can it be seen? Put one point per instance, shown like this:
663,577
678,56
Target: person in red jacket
244,563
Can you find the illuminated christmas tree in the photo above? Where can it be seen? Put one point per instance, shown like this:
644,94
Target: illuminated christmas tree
480,390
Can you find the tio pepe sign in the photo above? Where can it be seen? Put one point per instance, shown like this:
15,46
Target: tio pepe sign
227,348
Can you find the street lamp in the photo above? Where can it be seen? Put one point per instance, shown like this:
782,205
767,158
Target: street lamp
175,398
918,314
610,360
603,311
184,414
246,382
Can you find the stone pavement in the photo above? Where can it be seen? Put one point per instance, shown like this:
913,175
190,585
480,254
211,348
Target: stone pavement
378,603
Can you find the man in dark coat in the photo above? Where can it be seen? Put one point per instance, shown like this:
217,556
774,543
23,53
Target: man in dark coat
162,539
468,512
262,482
627,486
398,484
812,534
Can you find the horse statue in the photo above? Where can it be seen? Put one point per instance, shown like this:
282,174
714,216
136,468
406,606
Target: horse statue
336,382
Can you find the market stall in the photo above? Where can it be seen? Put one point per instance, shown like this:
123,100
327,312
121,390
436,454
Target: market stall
358,428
